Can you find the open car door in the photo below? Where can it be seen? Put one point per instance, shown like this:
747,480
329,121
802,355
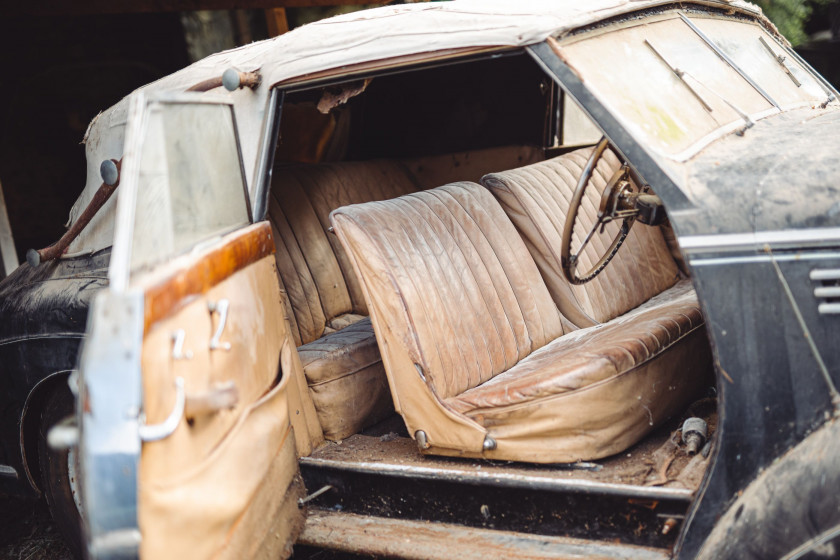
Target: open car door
186,448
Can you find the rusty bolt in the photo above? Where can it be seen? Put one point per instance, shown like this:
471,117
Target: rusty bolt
694,432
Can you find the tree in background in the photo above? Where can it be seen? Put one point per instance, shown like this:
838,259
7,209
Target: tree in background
790,16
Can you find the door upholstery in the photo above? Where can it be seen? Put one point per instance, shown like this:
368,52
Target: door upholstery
225,484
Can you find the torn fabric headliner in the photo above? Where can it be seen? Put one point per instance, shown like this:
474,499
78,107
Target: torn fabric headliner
349,39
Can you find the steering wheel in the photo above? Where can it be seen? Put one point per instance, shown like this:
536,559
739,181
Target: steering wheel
617,203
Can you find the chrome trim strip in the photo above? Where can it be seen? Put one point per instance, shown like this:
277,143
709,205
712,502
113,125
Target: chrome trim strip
6,470
752,259
820,237
120,264
827,292
268,143
502,479
825,274
829,309
43,336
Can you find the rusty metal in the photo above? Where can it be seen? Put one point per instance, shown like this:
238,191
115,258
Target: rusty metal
231,80
694,434
390,478
399,457
398,538
36,257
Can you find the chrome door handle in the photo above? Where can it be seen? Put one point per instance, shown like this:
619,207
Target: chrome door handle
178,346
156,432
221,307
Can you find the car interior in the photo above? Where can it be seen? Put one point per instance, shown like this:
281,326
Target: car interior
418,216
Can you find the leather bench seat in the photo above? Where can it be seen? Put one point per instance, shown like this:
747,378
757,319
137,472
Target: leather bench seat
324,302
480,361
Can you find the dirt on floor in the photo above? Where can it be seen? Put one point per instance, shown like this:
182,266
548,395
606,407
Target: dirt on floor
27,531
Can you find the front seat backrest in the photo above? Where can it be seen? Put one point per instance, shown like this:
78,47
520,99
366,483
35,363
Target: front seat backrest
536,198
454,284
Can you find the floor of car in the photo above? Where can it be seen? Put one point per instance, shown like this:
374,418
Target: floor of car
638,498
660,461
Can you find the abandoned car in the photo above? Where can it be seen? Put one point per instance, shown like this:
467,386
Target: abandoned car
462,279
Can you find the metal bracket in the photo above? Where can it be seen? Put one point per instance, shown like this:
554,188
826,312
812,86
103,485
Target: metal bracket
178,346
156,432
221,307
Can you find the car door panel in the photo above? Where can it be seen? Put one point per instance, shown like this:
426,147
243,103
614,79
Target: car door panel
250,446
208,444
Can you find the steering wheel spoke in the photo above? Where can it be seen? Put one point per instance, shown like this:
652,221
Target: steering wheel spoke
615,205
599,223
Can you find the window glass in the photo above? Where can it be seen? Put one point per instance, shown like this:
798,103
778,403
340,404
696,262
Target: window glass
665,82
190,184
756,52
578,128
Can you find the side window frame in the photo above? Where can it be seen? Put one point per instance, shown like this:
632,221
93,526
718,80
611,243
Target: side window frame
138,117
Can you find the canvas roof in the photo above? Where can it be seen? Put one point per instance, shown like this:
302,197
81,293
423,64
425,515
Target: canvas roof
357,37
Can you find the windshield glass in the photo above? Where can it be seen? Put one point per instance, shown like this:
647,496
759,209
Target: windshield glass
670,87
764,60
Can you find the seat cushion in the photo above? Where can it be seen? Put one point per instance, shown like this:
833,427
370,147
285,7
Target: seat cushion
588,356
323,294
537,197
346,380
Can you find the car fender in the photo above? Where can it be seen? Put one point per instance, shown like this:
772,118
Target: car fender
28,424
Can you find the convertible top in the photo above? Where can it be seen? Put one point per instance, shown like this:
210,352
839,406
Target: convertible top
332,44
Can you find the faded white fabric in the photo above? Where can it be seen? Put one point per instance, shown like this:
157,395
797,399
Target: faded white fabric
357,37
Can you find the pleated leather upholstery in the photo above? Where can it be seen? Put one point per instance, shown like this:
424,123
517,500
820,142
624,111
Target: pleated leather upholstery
475,347
591,355
317,276
346,380
465,295
537,197
324,303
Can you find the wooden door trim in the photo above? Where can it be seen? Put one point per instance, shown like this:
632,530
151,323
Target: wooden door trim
207,269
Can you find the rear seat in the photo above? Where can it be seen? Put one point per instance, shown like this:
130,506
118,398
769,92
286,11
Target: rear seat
325,305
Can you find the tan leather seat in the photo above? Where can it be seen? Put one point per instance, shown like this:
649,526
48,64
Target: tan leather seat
536,198
325,306
343,370
476,352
